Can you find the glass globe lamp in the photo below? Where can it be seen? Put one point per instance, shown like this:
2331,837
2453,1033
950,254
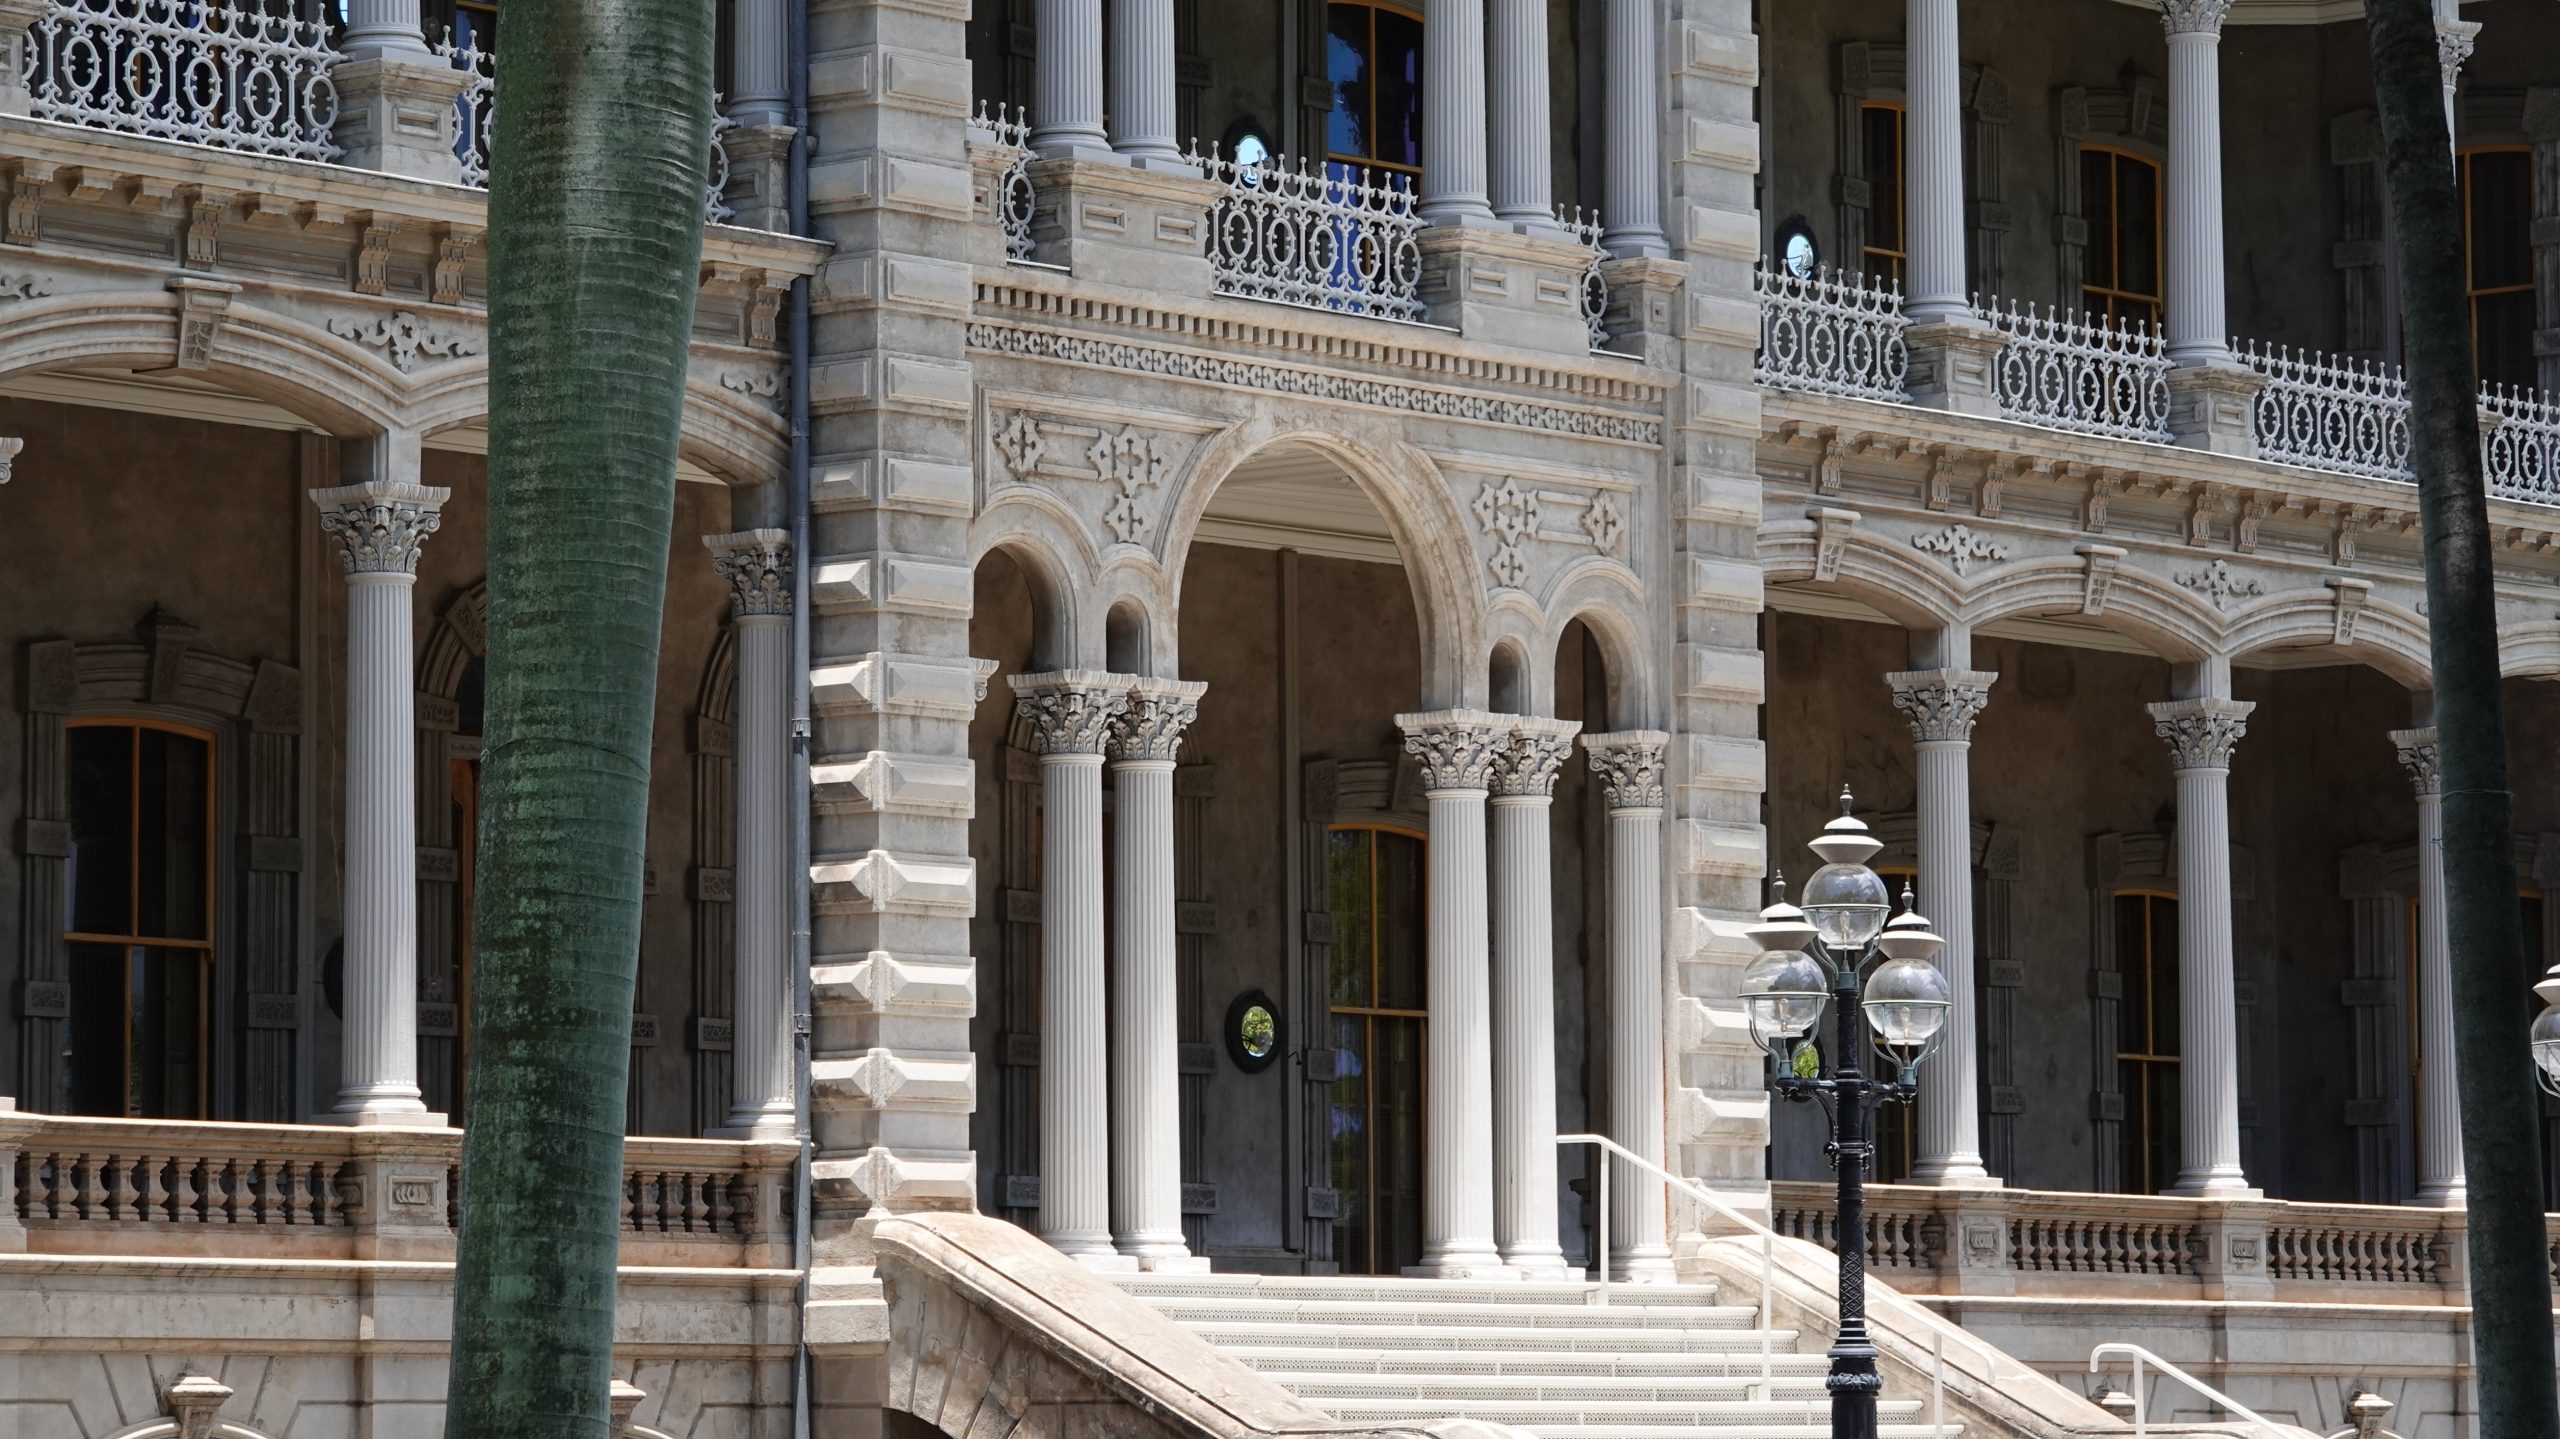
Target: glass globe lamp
1783,991
2546,1049
1847,903
1906,1005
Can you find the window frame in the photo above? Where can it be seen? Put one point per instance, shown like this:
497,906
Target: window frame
2473,293
1370,1014
2138,1131
2107,301
1410,10
1899,253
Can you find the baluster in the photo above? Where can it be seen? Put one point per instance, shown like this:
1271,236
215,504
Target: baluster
155,1196
221,1191
647,1217
695,1209
630,1189
297,1194
93,1194
122,1200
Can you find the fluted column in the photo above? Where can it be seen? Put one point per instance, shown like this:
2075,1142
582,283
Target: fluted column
1457,749
2439,1097
378,27
2201,734
1524,1012
1630,766
1933,162
1142,82
2197,332
1146,1081
381,524
1071,713
1523,174
1942,706
759,91
1066,79
1453,113
757,565
1631,184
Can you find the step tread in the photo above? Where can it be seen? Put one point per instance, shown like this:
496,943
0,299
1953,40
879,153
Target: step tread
1734,1339
1633,1411
1528,1363
1557,1389
1591,1316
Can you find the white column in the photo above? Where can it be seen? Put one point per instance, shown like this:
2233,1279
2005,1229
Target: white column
759,90
757,565
1630,766
1146,1083
1942,706
1453,115
1071,713
1524,1011
2197,332
2201,734
2454,39
376,28
1066,79
1142,82
1933,166
2440,1178
1523,172
1457,749
1631,186
381,525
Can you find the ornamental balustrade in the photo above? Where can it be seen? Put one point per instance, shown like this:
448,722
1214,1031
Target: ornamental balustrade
1320,234
1584,228
2344,415
208,74
2522,453
1831,333
476,124
2078,372
1008,127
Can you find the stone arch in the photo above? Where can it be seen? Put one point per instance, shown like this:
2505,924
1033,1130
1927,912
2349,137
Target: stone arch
1038,534
1422,517
1891,580
1132,584
2094,589
1515,683
2306,619
2530,650
1609,603
169,1429
741,439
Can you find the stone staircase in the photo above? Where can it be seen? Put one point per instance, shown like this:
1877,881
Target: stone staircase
1655,1362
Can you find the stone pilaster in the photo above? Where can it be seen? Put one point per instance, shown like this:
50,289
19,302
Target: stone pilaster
1522,170
380,524
1142,83
1631,193
1071,714
1453,114
1934,166
2198,333
1942,706
2440,1177
1066,79
1458,750
1523,785
1146,1081
2201,734
1632,768
757,565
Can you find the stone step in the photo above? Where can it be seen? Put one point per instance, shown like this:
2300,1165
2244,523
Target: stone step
1283,1334
1394,1289
1775,1428
1288,1363
1389,1314
1542,1389
1547,1417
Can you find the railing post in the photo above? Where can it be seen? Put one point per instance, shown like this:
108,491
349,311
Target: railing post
1953,366
2231,1248
14,1129
397,1199
1977,1224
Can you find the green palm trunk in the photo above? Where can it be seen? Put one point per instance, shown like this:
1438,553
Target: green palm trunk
595,240
2509,1261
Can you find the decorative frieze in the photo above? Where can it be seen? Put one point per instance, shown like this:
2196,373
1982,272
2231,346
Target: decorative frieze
18,285
404,336
2221,584
1962,546
1510,515
1130,459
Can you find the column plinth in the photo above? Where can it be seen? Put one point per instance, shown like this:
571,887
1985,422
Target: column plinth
1630,766
2201,734
2440,1176
1942,706
1146,1078
757,565
1071,713
1522,785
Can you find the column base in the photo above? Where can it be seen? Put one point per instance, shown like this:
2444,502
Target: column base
419,1118
759,1128
1650,1265
1962,1172
2452,1196
1472,1262
2220,1184
1544,1263
1172,1263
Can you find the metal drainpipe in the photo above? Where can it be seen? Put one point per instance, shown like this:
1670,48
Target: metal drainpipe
797,199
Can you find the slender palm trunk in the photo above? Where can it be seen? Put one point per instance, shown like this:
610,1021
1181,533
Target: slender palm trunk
2501,1151
595,239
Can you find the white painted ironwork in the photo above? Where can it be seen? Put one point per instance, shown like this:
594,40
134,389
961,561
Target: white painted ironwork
2079,372
1584,227
715,186
209,74
1320,234
2345,415
1009,127
1831,333
2522,455
2143,1358
476,127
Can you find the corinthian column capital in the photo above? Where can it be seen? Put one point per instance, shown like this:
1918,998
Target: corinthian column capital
1528,766
381,525
1158,711
2420,757
1941,704
757,565
2454,39
2201,733
2193,17
1630,766
1458,748
1071,711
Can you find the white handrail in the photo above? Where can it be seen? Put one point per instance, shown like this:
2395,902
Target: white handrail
1608,1147
1938,1372
2141,1356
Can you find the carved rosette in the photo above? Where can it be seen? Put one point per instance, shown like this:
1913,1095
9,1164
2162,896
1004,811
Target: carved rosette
1458,748
1630,766
2200,733
1071,711
1157,714
381,526
2420,757
757,565
1941,704
1529,764
2193,17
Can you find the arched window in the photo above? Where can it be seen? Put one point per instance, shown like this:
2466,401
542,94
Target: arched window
138,918
1373,57
1374,889
2120,199
2147,1042
2497,261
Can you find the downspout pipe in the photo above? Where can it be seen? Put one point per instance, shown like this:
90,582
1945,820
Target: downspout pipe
797,198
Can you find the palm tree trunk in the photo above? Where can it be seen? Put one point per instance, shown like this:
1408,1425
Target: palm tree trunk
2501,1150
595,239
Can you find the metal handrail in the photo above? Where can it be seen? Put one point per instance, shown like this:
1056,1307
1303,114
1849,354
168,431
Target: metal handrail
1938,1372
2141,1356
1608,1148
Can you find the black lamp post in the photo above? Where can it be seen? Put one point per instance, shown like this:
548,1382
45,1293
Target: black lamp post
1814,955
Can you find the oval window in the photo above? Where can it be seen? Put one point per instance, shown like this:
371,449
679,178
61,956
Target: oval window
1253,1031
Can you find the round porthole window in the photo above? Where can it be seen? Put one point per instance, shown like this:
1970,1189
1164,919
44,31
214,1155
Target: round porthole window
1797,253
1253,1031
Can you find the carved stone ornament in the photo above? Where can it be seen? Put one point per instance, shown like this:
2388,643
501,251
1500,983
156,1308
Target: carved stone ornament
1457,748
755,384
194,1400
381,526
1071,711
2221,584
1603,522
9,448
1630,766
2193,17
15,285
1159,711
2454,39
757,565
1508,515
1961,546
1019,440
1941,704
404,337
2201,733
1131,461
1528,766
2421,758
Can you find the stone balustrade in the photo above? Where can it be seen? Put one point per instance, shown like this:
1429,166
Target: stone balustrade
135,1188
2057,1245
